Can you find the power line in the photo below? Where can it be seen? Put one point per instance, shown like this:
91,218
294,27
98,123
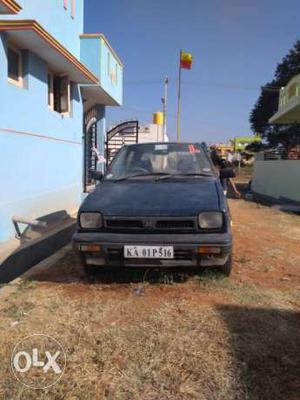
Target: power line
215,85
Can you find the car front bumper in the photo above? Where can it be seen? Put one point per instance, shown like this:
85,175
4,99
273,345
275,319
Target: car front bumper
186,249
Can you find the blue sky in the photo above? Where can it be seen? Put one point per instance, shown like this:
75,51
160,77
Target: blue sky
236,45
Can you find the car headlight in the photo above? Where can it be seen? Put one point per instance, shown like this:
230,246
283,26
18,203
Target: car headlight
90,220
210,220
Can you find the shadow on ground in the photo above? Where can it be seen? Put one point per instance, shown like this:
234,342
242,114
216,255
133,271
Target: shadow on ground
70,270
266,347
37,243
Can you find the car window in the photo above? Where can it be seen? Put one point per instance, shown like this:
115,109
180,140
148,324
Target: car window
159,159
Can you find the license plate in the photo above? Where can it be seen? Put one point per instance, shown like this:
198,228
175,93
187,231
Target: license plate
162,252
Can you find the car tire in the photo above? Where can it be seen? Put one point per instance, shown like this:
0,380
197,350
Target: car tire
91,270
227,267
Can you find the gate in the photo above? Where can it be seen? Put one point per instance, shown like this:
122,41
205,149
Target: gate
90,143
125,133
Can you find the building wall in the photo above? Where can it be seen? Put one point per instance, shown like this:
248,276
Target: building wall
41,150
98,57
111,73
90,50
289,92
39,174
56,19
240,142
151,133
279,179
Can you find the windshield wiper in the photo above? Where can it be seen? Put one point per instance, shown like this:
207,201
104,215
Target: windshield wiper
124,178
168,176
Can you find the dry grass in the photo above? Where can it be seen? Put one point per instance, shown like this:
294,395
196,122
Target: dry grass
173,342
177,336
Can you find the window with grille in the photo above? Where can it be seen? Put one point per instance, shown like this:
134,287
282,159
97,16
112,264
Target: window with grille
14,66
59,93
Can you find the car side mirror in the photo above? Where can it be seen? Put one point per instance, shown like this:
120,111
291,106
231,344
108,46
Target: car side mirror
227,173
96,175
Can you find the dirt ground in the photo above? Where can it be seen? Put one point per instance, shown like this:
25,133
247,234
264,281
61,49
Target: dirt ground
162,335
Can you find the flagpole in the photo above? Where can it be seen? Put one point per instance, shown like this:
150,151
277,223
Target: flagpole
164,100
179,100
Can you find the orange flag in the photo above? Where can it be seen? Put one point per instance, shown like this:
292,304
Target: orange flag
186,60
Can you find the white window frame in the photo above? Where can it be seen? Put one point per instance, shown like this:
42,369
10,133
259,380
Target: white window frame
67,113
19,81
51,105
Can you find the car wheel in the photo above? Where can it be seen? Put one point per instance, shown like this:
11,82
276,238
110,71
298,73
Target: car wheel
227,267
91,270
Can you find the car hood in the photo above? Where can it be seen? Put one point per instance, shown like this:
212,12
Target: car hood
150,198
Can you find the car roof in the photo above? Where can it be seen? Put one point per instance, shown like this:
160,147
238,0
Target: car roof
165,143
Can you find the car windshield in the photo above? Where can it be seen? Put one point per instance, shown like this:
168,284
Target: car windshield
170,159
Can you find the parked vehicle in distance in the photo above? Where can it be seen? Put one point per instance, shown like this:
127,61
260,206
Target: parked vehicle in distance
158,205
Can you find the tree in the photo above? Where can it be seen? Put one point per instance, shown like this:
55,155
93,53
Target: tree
267,103
265,107
255,147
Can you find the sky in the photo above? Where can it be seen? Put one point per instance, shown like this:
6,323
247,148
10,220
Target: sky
236,45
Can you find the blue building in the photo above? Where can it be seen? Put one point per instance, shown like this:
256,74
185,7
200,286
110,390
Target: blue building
55,84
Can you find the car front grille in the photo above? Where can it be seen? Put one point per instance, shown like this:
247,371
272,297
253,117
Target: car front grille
185,224
150,224
123,223
183,254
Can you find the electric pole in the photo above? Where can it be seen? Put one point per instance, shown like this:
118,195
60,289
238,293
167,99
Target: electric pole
164,102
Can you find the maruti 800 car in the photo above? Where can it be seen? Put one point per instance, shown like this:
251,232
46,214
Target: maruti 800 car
157,205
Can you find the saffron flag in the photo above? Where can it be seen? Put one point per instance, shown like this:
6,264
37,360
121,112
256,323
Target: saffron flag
186,60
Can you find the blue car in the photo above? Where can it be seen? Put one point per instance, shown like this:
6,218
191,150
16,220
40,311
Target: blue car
157,205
